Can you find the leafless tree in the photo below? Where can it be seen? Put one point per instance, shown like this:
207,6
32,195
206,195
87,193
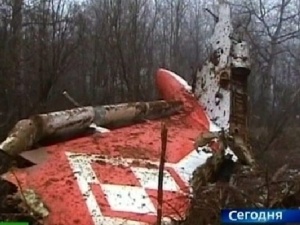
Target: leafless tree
105,51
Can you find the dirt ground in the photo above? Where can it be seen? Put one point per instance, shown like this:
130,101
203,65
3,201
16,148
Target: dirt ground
246,189
12,207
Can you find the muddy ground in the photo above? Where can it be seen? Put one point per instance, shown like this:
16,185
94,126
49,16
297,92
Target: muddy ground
12,208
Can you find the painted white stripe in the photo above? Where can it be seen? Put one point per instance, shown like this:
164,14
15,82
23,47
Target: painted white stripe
148,177
128,199
84,175
79,167
188,164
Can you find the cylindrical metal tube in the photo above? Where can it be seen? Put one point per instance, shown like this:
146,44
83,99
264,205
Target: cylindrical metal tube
128,113
30,131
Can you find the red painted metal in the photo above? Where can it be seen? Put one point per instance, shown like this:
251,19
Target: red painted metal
54,180
171,89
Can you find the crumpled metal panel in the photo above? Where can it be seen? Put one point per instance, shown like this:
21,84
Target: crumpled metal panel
212,85
221,85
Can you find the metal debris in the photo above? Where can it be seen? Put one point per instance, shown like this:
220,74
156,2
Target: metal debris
27,132
122,114
221,85
213,78
225,141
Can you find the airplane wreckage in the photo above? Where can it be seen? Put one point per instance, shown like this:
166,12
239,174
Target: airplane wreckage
174,161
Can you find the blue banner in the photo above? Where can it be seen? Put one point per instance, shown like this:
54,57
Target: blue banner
258,216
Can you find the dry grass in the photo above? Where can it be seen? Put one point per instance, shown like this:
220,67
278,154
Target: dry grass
284,149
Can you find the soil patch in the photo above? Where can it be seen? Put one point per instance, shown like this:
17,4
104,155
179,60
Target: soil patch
12,207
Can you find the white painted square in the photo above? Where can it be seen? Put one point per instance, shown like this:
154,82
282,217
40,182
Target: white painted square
128,199
149,179
188,164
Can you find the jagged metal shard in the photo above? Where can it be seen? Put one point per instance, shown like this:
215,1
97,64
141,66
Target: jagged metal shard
212,90
221,85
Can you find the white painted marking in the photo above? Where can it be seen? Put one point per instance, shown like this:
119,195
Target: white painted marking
84,175
149,179
184,167
79,165
128,199
188,164
120,197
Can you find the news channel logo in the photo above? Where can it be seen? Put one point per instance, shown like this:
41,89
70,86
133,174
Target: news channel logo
260,216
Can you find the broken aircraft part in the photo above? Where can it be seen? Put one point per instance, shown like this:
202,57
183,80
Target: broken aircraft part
112,178
221,86
29,131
